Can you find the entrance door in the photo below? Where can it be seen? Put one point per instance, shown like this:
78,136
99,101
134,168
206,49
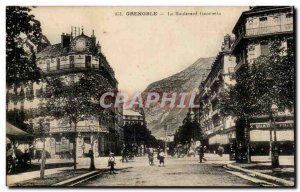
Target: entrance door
88,61
72,64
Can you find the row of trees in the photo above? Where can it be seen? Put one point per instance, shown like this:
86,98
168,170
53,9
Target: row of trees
139,134
268,81
190,129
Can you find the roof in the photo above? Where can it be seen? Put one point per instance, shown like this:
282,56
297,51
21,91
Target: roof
12,131
50,51
131,113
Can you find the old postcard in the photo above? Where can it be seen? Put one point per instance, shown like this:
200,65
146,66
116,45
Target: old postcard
150,96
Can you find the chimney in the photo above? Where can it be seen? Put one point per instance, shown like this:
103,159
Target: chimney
65,40
93,37
227,43
98,47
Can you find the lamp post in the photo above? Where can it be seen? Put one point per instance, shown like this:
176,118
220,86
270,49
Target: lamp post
44,128
273,144
165,128
92,164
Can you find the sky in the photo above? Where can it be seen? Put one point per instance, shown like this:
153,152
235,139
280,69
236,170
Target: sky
145,49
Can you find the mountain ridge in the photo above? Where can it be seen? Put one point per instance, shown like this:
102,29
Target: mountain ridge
187,80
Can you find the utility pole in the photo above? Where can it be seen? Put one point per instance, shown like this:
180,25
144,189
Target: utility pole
43,128
92,164
165,128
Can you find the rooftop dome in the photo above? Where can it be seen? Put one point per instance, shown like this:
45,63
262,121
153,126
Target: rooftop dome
81,43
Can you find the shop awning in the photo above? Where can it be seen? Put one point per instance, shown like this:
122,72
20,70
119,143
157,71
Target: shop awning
14,132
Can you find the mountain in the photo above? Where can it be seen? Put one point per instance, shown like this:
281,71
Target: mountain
185,81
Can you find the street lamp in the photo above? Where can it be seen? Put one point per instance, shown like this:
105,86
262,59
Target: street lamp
273,145
92,165
165,128
44,129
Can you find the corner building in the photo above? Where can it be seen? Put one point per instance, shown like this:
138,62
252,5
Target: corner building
254,31
73,56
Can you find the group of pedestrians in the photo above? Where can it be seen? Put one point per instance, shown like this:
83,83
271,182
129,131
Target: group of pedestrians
160,156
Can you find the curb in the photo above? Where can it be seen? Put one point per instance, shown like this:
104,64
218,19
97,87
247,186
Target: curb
264,176
76,179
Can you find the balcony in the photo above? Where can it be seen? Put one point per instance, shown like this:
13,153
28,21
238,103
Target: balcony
284,28
269,30
69,67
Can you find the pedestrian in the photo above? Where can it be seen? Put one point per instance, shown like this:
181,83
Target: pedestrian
124,154
111,163
201,150
151,156
220,150
161,156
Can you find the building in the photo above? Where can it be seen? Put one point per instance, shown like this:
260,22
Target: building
134,124
218,130
76,54
133,117
254,31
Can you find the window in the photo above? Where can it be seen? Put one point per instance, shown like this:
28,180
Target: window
58,63
250,23
290,44
289,17
22,105
72,64
48,65
263,19
276,20
72,78
251,53
264,49
88,61
263,23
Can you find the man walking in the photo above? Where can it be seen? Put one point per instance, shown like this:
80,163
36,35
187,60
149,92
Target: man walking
161,157
124,154
201,150
151,156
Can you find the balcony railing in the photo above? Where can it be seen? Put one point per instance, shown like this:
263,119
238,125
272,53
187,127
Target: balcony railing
269,29
70,66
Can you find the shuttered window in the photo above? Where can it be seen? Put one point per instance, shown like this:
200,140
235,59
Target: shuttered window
264,48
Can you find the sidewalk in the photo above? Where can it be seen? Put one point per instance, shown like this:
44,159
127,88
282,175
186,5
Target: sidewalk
57,166
13,179
261,167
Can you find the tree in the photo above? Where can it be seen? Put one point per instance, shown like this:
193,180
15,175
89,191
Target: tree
23,32
76,100
138,133
190,129
268,80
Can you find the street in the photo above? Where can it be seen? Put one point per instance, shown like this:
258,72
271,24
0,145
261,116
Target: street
177,172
